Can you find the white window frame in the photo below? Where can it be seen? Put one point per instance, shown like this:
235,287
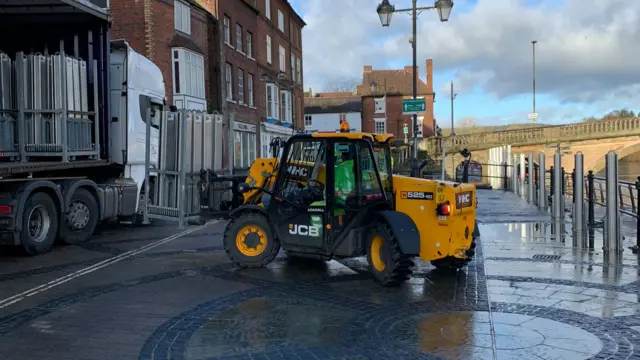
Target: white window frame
269,50
272,107
182,17
190,78
286,107
239,43
227,30
229,81
299,71
252,101
249,37
380,105
280,20
308,120
240,85
376,126
247,149
283,59
267,9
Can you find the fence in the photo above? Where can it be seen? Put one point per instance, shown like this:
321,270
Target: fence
184,177
616,197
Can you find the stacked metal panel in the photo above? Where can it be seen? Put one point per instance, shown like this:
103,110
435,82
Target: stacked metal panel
8,116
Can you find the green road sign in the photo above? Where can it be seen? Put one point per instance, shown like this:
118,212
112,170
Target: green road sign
405,129
413,106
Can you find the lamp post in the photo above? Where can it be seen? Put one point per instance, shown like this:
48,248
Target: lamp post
453,97
533,43
385,10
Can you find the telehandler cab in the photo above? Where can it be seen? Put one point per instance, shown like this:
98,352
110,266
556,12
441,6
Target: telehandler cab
333,195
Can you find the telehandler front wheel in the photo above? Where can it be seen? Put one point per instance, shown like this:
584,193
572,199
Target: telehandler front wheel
388,265
249,241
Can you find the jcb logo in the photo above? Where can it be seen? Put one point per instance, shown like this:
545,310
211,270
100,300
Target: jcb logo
304,230
463,200
298,171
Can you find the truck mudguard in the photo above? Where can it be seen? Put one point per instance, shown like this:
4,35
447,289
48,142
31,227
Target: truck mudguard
247,208
25,191
405,230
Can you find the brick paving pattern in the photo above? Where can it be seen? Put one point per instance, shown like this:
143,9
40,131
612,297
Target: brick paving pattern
184,300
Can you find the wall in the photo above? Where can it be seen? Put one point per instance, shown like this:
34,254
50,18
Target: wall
331,122
395,119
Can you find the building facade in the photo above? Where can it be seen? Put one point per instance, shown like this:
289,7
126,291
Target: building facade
326,111
382,92
279,57
180,37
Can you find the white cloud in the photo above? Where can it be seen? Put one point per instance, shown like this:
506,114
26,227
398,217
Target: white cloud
587,49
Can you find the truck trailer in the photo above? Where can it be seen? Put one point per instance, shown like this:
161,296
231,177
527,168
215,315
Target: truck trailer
73,132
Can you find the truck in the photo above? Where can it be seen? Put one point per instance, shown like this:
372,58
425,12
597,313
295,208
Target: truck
73,131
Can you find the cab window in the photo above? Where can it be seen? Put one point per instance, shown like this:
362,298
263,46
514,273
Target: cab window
150,108
370,184
381,155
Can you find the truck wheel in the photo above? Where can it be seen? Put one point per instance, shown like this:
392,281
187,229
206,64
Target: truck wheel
249,241
81,217
39,224
388,265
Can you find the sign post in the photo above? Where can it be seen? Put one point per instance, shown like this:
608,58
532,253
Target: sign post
405,130
533,116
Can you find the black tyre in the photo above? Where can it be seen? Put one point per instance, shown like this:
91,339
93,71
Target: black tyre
39,224
249,241
388,265
81,218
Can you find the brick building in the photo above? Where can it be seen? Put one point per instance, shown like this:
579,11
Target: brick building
380,116
179,36
279,56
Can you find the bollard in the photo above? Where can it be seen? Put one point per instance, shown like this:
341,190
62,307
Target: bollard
521,163
505,176
558,206
564,181
514,176
612,238
591,215
579,240
573,183
636,249
530,179
542,178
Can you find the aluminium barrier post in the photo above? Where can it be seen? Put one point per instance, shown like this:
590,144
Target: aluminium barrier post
612,238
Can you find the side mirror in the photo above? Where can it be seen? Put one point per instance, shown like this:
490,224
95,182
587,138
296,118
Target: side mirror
243,187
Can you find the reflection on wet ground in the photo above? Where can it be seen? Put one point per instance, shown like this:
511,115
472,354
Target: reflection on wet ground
529,294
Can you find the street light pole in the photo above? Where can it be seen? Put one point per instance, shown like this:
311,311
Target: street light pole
453,97
385,10
533,42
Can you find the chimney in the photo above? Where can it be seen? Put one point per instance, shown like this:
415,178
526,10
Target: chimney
367,68
430,75
310,92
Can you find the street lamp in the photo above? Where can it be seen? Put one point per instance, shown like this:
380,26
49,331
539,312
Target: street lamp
385,10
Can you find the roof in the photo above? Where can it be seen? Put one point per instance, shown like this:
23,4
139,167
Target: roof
293,11
378,138
321,105
95,8
399,82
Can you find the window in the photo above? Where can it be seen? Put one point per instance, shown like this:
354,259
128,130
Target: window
229,82
369,184
188,73
250,89
307,120
182,17
380,127
244,149
267,9
150,108
249,44
343,117
239,37
292,63
269,51
227,30
280,21
240,86
313,152
283,59
286,109
380,106
299,71
272,102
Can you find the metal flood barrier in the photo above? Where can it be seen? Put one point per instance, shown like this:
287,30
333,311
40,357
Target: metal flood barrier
190,145
44,108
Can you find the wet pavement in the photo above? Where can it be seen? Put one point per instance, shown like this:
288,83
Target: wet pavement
529,294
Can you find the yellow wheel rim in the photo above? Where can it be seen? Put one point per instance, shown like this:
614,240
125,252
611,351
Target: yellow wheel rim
376,259
251,240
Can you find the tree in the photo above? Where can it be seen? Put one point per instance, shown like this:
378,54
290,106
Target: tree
342,85
467,122
615,114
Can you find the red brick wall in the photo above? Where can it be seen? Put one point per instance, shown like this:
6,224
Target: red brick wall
395,119
128,23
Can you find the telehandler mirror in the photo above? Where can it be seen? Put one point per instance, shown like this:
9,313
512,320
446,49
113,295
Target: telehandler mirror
243,187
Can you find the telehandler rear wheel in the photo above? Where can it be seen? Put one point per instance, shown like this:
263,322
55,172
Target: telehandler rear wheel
249,241
388,265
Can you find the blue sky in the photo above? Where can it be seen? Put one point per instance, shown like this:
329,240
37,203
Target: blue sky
584,54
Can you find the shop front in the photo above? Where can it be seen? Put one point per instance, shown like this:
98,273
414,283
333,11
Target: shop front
244,144
270,131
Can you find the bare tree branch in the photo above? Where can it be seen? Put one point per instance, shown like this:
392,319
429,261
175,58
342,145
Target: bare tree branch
342,85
